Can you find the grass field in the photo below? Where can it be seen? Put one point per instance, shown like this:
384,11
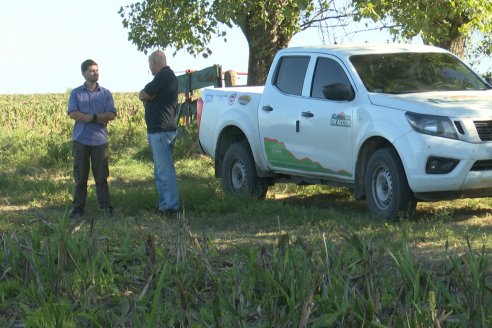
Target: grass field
306,256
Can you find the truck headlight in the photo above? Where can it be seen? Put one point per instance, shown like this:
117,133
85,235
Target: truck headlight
439,126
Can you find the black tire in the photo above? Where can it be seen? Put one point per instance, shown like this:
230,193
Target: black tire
388,195
238,173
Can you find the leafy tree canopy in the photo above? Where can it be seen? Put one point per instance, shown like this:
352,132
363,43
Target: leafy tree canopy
445,23
268,25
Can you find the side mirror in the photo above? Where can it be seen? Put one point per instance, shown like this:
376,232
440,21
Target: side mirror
339,91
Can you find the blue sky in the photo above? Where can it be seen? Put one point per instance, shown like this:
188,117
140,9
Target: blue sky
44,42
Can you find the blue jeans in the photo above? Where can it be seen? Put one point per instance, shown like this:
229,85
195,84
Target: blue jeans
162,144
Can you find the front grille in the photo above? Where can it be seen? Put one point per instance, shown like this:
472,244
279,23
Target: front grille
484,165
484,129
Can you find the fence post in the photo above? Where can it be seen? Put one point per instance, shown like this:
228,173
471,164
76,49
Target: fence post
188,93
218,76
230,78
191,81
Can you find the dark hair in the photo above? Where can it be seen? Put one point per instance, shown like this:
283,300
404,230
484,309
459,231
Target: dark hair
85,65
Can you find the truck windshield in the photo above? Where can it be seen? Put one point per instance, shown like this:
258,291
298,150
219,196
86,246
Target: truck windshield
415,72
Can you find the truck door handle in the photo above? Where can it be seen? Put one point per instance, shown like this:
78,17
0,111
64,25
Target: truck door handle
307,114
267,108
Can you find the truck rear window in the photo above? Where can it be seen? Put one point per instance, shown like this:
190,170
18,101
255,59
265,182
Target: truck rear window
415,72
290,74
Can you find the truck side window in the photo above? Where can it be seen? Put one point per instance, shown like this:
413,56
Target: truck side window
329,74
290,74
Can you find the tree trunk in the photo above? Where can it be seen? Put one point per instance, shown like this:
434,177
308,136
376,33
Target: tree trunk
265,37
259,60
456,40
458,46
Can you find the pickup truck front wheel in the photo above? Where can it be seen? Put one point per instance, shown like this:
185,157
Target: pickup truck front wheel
387,192
239,174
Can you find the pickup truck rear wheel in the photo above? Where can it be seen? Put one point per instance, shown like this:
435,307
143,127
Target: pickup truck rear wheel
387,192
239,174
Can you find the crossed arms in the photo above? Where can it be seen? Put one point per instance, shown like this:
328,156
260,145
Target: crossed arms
101,118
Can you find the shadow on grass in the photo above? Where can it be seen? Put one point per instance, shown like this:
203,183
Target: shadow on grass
29,195
143,154
453,211
340,200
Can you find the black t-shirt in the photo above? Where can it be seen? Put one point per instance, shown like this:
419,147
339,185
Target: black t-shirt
160,112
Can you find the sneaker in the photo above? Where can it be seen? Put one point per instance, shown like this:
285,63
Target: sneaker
75,214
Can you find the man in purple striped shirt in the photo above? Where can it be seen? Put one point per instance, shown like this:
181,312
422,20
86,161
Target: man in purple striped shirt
91,107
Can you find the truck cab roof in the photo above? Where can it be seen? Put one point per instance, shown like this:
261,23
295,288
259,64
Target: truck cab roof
347,50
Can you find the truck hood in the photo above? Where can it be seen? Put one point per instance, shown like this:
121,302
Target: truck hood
444,103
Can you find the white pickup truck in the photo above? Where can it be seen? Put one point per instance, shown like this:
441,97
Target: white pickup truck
396,123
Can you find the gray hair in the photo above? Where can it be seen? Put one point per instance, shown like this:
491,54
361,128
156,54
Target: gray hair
159,57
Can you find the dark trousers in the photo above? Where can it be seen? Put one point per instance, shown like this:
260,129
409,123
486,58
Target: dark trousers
83,157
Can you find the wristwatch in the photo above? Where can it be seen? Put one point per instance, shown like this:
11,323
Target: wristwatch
94,118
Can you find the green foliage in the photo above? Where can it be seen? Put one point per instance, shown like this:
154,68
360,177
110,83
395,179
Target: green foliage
184,24
190,25
52,314
267,25
445,23
37,130
306,256
84,275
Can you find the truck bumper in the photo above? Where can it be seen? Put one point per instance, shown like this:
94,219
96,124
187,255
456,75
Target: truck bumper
472,173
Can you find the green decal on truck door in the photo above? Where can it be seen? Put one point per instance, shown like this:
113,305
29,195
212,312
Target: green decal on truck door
280,156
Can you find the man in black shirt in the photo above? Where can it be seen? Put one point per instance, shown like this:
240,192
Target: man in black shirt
160,98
